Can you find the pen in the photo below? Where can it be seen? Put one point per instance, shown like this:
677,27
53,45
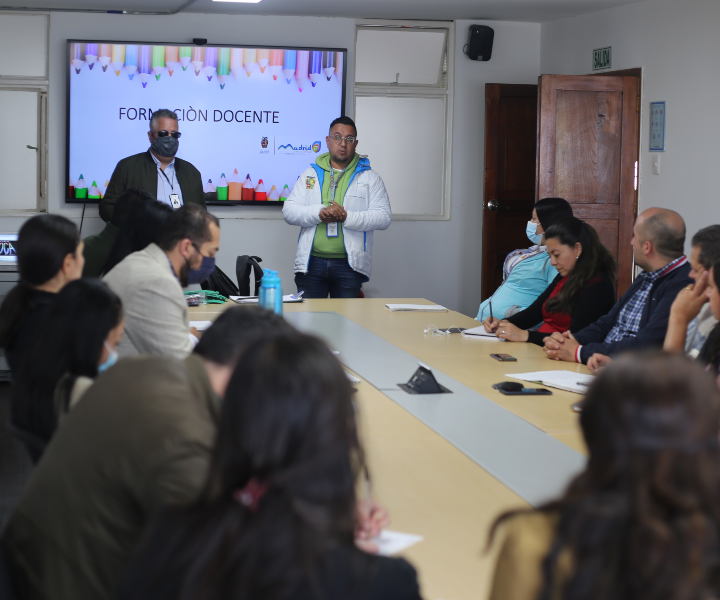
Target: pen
582,383
491,316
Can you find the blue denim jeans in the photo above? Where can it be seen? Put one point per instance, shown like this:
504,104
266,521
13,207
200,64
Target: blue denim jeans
329,275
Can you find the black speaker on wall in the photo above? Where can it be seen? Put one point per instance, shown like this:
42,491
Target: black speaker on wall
480,42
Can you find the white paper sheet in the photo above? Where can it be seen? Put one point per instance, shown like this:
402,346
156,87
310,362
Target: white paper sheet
201,325
254,299
392,542
415,308
479,333
562,380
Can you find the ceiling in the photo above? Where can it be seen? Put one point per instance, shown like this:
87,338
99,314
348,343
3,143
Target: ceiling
537,11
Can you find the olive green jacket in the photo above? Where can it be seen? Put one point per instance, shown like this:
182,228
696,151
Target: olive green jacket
140,171
97,249
139,439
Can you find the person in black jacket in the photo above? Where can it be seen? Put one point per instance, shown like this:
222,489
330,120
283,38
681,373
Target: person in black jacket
278,515
581,293
640,318
50,254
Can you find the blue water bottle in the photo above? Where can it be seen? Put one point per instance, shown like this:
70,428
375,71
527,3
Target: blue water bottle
270,296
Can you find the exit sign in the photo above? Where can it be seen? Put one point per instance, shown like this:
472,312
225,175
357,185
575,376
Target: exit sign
601,58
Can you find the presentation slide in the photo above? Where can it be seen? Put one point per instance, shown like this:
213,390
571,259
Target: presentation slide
252,119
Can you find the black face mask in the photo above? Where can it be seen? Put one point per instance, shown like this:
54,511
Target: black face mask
165,146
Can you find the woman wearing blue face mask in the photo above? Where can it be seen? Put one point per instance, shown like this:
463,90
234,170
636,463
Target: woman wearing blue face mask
527,272
77,343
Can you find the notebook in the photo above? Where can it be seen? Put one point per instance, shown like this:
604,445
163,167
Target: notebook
562,380
480,333
415,308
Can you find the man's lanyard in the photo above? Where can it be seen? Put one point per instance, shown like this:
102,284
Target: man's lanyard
174,198
172,187
332,182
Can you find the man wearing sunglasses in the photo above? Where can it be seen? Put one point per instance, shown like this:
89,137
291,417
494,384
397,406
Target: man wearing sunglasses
338,202
157,171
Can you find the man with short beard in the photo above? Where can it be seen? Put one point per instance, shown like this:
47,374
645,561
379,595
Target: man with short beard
150,282
171,180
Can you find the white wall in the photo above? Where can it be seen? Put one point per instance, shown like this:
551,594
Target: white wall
438,260
678,47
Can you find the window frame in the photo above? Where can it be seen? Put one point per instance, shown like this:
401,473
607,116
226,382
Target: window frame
40,85
422,91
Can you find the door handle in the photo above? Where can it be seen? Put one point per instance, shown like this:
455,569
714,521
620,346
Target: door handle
493,205
31,147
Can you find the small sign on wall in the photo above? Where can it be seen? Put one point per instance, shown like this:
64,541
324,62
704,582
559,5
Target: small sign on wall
658,114
602,58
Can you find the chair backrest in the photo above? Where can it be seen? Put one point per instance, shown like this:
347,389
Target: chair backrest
34,444
7,591
243,265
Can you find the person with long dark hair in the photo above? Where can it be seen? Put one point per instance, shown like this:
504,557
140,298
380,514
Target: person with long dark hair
642,521
527,271
277,516
138,232
77,342
50,254
581,293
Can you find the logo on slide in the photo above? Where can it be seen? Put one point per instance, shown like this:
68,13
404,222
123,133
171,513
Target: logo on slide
299,148
264,142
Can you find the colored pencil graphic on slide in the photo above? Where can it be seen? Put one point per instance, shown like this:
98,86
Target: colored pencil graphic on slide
144,64
223,69
276,63
222,188
118,58
104,56
104,188
329,64
315,66
236,62
260,193
94,192
209,187
339,66
249,60
81,190
210,62
198,57
131,60
263,59
273,194
289,64
172,58
248,190
158,61
91,55
185,56
285,193
301,74
235,186
76,51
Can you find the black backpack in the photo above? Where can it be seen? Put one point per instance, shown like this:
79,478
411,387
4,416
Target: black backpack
220,283
243,266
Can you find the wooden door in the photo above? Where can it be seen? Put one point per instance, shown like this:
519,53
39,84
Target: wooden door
509,188
587,153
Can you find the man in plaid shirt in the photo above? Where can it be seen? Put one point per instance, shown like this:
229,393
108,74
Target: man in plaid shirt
640,318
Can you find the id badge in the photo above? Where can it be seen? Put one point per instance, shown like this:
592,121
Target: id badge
332,229
175,201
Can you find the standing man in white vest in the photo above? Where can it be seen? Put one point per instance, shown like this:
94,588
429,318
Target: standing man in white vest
338,202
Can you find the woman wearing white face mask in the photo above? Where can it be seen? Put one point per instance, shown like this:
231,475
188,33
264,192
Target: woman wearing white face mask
527,272
76,344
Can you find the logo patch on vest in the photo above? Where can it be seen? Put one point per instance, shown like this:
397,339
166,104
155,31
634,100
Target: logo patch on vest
309,182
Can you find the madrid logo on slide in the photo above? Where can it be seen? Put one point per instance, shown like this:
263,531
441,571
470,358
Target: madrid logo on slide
300,148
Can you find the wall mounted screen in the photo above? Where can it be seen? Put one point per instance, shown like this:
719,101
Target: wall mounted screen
245,113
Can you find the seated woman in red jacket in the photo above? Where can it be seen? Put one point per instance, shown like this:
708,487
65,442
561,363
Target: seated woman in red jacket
582,292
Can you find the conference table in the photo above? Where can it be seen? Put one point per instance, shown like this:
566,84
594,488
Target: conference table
445,465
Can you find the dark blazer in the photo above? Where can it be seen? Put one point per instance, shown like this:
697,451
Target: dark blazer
591,303
140,171
653,322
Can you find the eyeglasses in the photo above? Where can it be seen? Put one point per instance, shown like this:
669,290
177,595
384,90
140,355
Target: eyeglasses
163,133
350,139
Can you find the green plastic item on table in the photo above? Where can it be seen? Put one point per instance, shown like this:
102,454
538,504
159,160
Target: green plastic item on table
210,296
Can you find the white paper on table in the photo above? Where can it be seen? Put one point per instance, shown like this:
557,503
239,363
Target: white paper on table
563,380
415,308
392,542
254,299
479,333
201,325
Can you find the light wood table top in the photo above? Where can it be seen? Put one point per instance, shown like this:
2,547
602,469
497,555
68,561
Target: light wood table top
429,487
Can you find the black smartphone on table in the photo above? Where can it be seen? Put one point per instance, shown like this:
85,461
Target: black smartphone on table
503,357
513,388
